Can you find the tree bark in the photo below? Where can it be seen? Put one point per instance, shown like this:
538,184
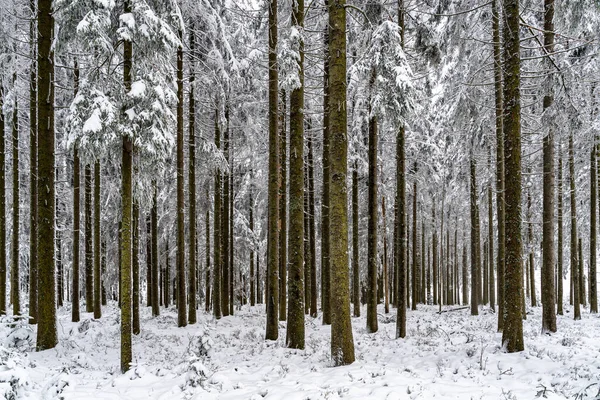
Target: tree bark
559,245
33,272
192,186
283,220
474,241
14,275
89,251
272,300
97,233
416,256
372,295
126,204
46,334
156,287
180,257
295,325
574,252
312,233
593,231
135,269
355,253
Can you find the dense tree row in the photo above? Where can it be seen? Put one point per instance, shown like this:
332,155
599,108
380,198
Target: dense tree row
223,155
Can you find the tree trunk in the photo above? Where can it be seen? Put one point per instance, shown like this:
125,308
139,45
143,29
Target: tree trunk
435,257
193,293
33,272
46,333
342,343
135,269
97,233
180,255
593,233
2,209
272,300
355,253
307,254
531,246
76,224
415,261
253,241
474,242
149,277
312,233
401,202
492,281
500,186
89,251
167,274
574,252
14,274
156,287
325,206
295,325
283,240
512,335
126,204
386,289
207,278
582,297
559,245
217,244
372,295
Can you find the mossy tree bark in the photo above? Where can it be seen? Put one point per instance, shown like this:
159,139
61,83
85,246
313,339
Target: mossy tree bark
126,222
342,343
512,335
500,206
283,218
295,324
373,219
272,300
492,281
135,260
33,276
97,235
325,206
46,334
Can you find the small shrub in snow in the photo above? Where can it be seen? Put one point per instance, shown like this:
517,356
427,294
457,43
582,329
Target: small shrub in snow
14,379
21,338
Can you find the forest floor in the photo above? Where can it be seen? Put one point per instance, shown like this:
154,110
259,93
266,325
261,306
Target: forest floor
447,356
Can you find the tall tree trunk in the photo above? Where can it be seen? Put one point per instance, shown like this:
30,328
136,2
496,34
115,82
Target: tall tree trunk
474,241
435,260
342,343
156,287
307,254
415,247
89,251
465,274
14,275
46,333
97,278
272,300
207,278
355,253
253,240
192,186
283,221
372,295
593,233
559,245
217,220
312,233
149,277
230,222
386,289
422,296
548,250
126,204
33,272
2,208
76,225
325,203
225,267
135,269
167,273
401,202
500,206
531,246
180,257
295,325
512,335
574,252
582,297
103,271
492,282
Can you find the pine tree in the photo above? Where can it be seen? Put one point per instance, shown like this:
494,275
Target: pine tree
272,280
574,252
89,252
475,282
97,234
76,217
135,271
225,267
156,287
342,343
312,232
33,272
559,245
181,289
149,277
295,324
14,274
355,254
192,185
47,333
593,233
373,219
217,220
283,200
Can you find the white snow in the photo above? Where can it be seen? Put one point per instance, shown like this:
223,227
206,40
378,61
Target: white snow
93,124
447,356
138,88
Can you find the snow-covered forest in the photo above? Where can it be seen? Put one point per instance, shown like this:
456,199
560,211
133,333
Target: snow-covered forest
247,199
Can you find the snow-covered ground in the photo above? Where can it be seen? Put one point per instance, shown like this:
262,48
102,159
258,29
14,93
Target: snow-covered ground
446,356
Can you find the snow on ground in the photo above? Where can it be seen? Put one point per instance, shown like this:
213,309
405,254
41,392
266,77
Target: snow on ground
447,356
